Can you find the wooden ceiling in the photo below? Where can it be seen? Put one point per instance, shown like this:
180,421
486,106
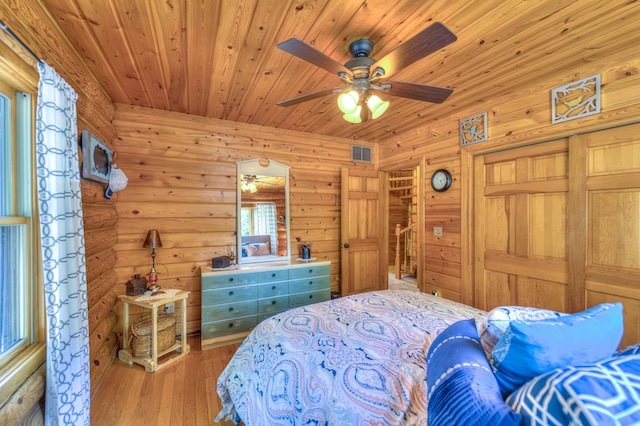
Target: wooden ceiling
218,58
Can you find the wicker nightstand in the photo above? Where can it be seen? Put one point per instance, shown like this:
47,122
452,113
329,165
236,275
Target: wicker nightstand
151,363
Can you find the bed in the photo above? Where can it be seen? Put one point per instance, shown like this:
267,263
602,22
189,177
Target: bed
353,360
398,357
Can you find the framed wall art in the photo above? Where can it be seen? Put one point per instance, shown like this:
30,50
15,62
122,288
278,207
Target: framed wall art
473,129
580,98
96,158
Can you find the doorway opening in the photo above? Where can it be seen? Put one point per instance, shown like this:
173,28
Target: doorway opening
403,225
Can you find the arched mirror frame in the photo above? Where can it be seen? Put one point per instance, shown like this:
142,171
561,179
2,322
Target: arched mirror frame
262,167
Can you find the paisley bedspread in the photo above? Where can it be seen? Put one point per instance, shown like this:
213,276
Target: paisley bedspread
355,360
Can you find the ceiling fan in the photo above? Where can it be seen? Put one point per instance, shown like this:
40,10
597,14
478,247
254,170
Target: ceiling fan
363,75
249,182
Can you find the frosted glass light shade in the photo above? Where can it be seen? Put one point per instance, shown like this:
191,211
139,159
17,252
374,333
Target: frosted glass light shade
354,117
348,102
377,106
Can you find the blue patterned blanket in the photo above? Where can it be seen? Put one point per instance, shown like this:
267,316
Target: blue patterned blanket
357,360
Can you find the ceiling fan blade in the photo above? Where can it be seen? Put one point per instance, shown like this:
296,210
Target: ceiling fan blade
310,54
304,98
433,38
419,92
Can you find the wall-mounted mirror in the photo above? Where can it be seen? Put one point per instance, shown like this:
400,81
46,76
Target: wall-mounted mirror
263,211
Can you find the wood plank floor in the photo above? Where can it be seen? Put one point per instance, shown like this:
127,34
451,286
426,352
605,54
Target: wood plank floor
183,393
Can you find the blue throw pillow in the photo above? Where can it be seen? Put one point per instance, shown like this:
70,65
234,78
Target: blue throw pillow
530,348
462,389
603,393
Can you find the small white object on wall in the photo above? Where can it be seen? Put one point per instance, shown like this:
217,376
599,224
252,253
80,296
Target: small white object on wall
578,99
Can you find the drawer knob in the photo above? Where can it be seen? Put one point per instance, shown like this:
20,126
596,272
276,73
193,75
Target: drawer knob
273,287
273,302
231,293
310,282
311,296
273,275
231,279
230,309
231,325
311,271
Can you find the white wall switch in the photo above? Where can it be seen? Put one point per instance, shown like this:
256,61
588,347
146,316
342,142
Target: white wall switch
437,231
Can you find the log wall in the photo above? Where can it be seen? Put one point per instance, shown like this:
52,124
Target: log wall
182,182
32,24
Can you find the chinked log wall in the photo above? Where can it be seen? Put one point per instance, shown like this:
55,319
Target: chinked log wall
33,26
182,182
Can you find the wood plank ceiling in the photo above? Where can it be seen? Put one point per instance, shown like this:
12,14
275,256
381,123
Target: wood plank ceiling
218,58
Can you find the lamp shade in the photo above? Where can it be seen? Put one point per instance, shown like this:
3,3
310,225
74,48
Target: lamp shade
153,239
348,102
377,106
354,117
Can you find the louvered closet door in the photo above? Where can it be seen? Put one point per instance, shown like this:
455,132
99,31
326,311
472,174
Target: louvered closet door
520,221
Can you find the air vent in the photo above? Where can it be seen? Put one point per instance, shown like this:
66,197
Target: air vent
361,153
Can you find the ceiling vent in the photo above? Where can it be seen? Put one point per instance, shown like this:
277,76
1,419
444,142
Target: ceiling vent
361,153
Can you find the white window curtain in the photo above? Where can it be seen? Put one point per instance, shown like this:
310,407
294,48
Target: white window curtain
60,202
267,225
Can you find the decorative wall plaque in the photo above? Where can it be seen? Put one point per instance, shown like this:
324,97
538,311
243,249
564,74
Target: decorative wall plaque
575,100
473,129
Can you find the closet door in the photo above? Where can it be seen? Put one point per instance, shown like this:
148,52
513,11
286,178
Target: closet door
604,209
520,225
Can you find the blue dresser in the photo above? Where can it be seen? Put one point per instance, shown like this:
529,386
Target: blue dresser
235,301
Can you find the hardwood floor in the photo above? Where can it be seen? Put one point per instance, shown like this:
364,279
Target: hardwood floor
183,393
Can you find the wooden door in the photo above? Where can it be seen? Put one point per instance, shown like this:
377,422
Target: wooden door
363,231
557,225
520,202
604,211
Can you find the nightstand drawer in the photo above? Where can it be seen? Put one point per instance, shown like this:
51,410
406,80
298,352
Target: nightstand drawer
270,276
309,284
308,271
229,311
273,289
224,328
229,295
226,280
273,305
301,299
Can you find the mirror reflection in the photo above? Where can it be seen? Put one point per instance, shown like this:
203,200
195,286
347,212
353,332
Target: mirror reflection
263,206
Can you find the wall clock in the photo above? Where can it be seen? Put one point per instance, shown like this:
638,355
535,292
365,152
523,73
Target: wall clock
441,180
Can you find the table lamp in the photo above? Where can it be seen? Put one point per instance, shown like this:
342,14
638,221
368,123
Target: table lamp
153,241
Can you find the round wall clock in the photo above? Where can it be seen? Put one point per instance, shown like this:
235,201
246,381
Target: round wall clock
441,180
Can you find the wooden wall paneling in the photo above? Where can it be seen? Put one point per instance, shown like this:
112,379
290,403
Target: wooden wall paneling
26,405
182,182
33,25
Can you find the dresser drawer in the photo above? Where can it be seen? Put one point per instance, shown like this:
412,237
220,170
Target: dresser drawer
301,299
227,295
231,310
231,326
273,305
309,284
271,276
308,271
273,289
226,280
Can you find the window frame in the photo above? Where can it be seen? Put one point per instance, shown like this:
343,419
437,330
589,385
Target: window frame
18,74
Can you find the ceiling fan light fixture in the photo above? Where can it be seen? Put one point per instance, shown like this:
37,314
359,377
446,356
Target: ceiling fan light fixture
348,102
354,117
377,106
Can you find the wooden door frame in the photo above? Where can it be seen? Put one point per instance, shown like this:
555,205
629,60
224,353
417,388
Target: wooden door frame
419,164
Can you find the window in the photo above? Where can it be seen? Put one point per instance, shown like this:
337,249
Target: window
21,319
